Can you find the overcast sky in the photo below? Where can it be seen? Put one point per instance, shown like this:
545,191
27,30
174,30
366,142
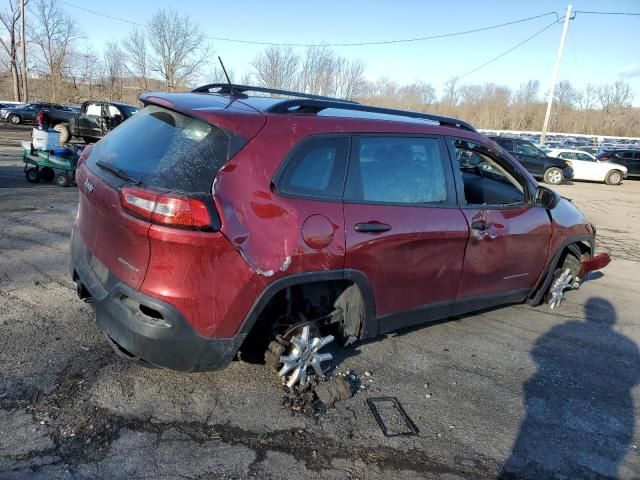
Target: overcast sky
599,49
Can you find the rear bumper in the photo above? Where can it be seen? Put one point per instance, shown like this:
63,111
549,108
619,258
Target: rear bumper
144,329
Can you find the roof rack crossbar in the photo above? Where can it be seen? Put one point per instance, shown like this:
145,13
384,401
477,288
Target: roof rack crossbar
235,90
297,105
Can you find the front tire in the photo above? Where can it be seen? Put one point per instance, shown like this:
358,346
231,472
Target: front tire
15,119
614,177
553,176
63,130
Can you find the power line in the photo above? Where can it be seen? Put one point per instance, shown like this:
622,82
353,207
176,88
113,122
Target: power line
388,42
506,52
607,13
100,14
355,44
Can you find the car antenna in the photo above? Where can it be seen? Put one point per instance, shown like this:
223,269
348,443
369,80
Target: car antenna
231,90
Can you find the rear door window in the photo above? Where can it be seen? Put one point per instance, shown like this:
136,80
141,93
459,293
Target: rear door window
165,149
316,169
397,170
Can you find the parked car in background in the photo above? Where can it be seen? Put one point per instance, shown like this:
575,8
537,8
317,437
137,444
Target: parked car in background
4,105
214,221
26,113
629,158
552,170
593,150
587,167
92,122
544,148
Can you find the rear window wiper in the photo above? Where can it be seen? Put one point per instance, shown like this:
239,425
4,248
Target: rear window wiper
118,173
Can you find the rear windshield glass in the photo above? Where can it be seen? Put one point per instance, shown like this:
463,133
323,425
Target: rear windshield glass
165,149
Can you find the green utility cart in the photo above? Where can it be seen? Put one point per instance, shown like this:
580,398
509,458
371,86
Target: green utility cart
58,165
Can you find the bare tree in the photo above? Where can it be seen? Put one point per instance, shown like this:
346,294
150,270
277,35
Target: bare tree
318,71
137,57
524,104
216,74
276,67
617,95
178,47
10,18
114,70
450,95
349,78
85,71
54,35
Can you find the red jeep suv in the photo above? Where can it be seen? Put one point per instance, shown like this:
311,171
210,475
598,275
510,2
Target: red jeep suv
214,222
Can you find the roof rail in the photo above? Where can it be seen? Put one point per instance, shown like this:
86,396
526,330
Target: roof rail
315,106
238,91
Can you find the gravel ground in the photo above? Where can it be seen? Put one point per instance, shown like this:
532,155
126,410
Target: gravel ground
515,391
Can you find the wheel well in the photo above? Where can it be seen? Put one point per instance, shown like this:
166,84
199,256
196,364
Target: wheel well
336,306
580,249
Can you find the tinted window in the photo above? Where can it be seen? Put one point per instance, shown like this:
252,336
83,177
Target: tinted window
316,168
526,149
505,143
484,176
165,149
396,170
567,155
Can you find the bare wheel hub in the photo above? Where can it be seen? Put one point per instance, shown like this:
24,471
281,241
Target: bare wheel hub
304,353
564,282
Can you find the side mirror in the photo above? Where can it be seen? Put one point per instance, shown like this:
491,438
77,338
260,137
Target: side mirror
546,198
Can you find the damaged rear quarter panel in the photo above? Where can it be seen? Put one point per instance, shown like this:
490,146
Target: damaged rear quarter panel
264,227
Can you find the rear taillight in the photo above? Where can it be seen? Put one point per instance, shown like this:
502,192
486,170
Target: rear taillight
604,159
171,210
186,212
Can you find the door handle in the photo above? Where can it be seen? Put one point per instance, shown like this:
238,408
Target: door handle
372,227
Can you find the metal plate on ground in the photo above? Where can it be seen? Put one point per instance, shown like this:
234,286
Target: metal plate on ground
391,417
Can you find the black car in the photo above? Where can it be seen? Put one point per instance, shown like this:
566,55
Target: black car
26,113
535,161
91,122
629,158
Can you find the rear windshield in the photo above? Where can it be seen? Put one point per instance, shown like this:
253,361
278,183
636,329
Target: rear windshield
164,149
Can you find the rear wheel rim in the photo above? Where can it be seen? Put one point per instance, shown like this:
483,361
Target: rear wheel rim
304,353
614,177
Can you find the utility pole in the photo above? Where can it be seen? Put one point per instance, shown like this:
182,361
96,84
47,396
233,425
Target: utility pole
25,86
554,78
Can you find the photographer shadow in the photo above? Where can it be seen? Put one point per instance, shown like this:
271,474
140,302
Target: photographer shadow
579,409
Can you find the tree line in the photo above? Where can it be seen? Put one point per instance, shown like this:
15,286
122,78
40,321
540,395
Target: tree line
171,53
